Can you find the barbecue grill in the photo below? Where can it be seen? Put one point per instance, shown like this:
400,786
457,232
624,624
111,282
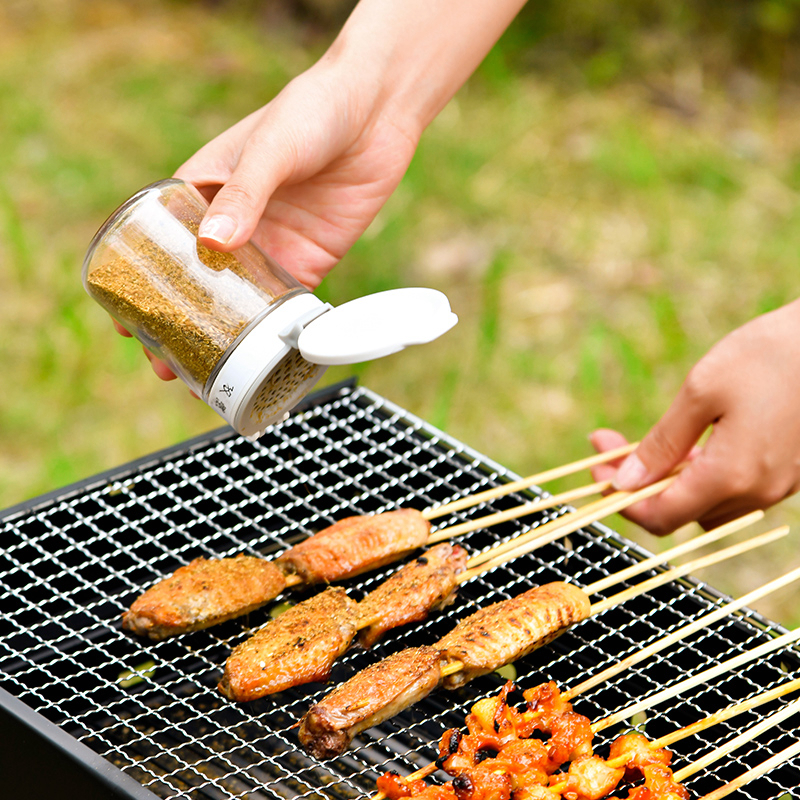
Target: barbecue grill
88,711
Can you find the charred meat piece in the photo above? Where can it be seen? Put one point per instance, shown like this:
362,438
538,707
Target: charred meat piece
506,631
203,593
416,589
297,647
546,704
355,545
368,698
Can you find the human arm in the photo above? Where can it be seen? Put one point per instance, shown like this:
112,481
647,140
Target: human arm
304,175
747,389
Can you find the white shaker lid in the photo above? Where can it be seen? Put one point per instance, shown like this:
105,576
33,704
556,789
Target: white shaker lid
374,326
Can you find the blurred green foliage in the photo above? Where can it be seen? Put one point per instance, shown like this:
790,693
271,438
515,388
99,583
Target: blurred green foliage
613,191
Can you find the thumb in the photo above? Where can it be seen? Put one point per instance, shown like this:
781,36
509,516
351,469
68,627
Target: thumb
668,443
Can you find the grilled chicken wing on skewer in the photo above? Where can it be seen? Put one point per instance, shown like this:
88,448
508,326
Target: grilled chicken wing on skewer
207,592
368,698
424,585
297,647
321,630
522,623
507,631
203,593
355,545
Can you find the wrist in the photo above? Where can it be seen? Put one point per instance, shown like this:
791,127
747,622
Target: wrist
397,56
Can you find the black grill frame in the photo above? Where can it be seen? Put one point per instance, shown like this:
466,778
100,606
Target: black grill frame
75,558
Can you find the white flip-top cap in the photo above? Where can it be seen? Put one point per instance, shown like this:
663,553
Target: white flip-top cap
374,326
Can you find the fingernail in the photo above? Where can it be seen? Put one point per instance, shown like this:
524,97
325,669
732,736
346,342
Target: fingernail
220,228
631,475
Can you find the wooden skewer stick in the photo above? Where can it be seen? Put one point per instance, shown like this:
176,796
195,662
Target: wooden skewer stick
673,552
689,566
531,480
571,522
770,722
518,511
728,713
665,577
700,677
756,772
635,569
681,633
629,572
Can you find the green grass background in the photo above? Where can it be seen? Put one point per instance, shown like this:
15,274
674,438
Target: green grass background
600,203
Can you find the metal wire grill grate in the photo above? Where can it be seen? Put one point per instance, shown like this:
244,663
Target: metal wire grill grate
73,562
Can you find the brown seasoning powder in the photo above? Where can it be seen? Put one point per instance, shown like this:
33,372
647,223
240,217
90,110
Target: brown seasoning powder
188,318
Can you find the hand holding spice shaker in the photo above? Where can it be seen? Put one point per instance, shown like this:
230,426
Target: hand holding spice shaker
240,331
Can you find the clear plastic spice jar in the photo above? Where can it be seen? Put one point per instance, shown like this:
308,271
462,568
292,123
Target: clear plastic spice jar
236,327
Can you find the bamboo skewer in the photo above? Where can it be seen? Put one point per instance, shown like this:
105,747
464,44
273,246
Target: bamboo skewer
518,511
689,566
692,544
756,772
531,480
700,677
681,633
569,523
729,713
718,533
484,564
770,722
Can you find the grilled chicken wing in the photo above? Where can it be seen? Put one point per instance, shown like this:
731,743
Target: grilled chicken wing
297,647
354,545
368,698
506,631
203,593
416,589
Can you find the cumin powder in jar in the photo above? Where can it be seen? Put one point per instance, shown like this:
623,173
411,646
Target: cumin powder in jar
192,306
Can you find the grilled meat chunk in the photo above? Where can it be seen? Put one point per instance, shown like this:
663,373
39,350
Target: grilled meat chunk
590,778
297,647
368,698
203,593
355,545
640,754
506,631
416,589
